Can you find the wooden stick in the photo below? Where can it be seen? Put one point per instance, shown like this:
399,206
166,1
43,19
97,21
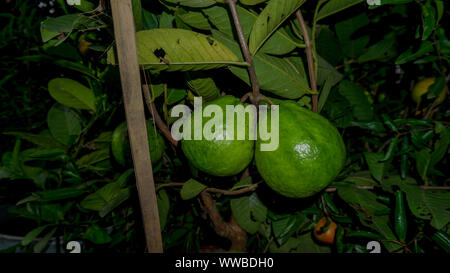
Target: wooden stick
131,87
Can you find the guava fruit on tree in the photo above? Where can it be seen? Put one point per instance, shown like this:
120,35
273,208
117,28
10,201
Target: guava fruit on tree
219,156
309,156
120,144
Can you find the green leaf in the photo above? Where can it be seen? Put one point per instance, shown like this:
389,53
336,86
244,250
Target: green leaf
249,212
42,244
175,95
428,19
191,189
368,209
194,19
193,3
32,235
285,227
52,27
280,76
92,158
328,76
150,19
64,124
334,6
75,66
345,30
163,207
269,20
118,199
408,55
202,85
59,194
308,245
440,146
46,141
436,88
72,93
181,50
97,200
279,42
429,204
353,93
380,50
377,168
97,235
423,158
328,46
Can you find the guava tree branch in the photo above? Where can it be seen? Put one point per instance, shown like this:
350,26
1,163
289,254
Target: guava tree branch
230,230
246,52
159,122
310,58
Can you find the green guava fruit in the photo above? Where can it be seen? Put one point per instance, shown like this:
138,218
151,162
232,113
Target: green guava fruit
120,144
219,156
309,156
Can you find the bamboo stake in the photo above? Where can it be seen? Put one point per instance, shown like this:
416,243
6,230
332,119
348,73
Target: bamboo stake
124,32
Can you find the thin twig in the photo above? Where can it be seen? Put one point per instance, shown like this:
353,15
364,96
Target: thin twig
245,52
235,192
268,245
310,57
324,207
159,122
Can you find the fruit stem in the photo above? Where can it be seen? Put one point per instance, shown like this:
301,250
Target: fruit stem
246,52
309,55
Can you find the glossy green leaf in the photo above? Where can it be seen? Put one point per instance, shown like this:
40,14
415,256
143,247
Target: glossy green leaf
202,85
441,146
72,93
333,6
428,19
64,124
180,50
280,76
361,108
30,236
191,189
43,243
194,19
423,158
377,168
92,158
97,235
409,55
175,95
429,204
352,47
269,20
436,88
121,197
43,140
249,212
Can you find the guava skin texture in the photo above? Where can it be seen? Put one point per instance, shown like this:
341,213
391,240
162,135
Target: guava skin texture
120,145
310,154
219,157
